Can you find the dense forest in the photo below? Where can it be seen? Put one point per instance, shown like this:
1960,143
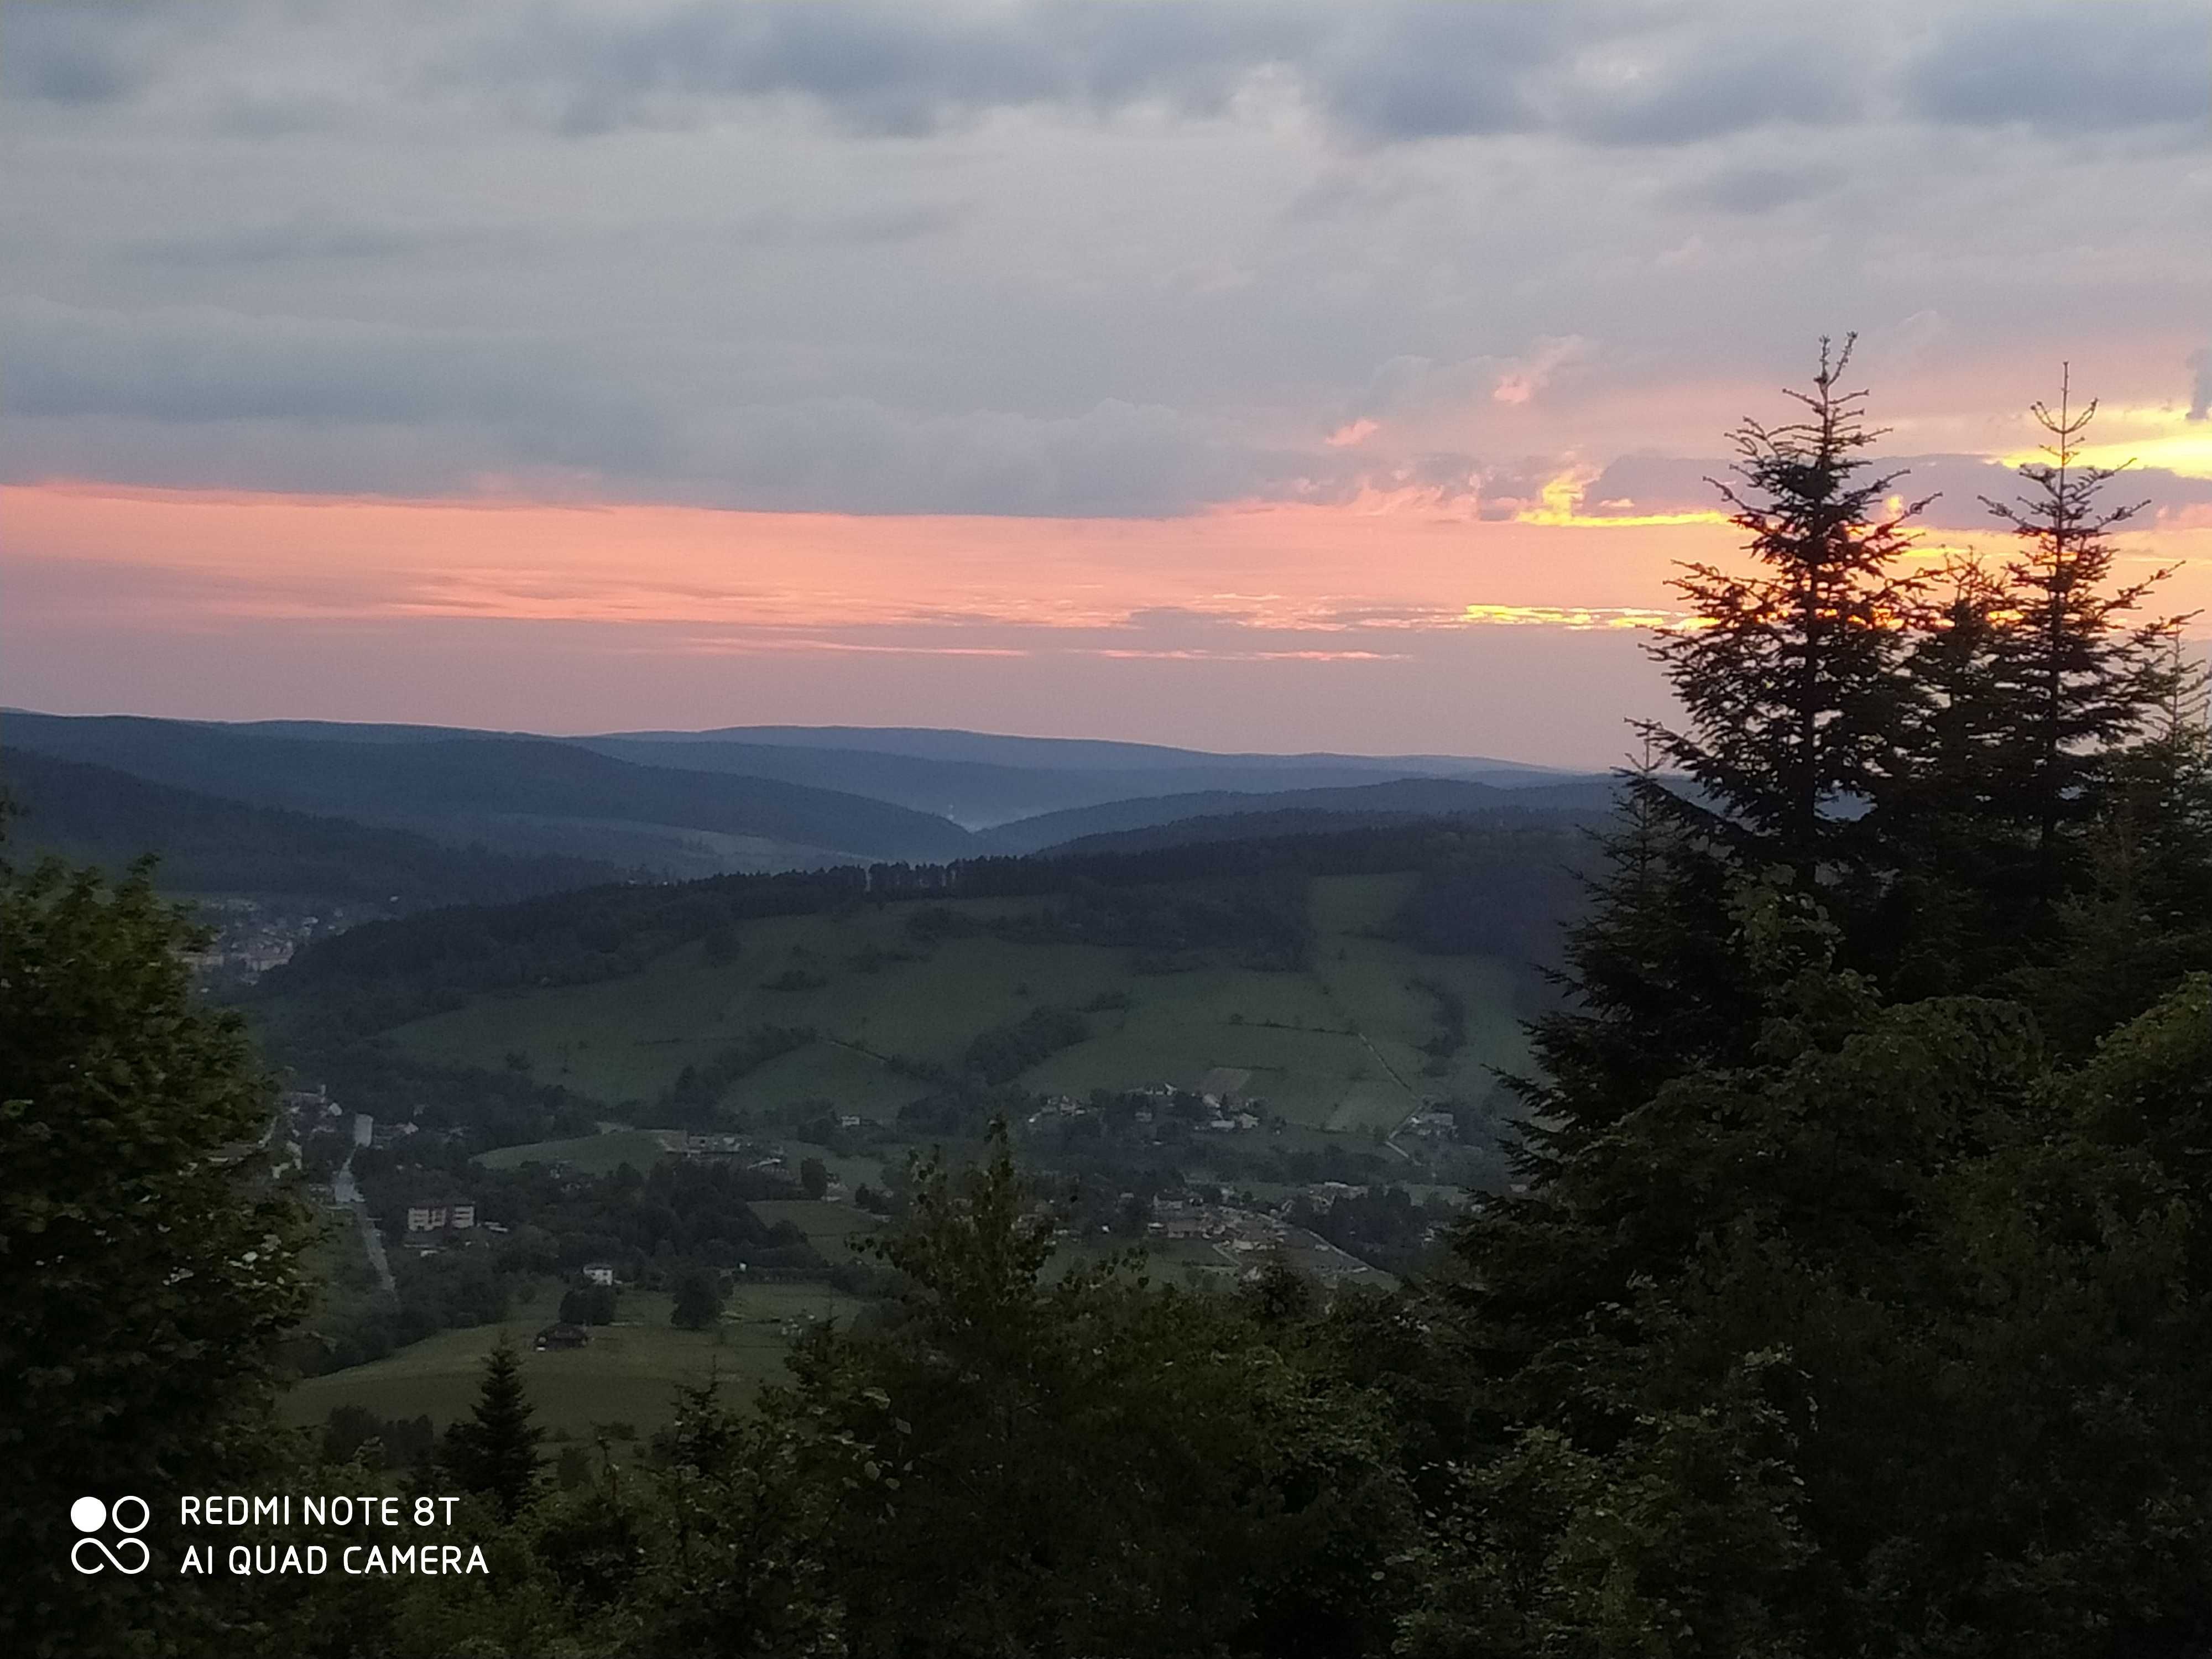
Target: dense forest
1853,1296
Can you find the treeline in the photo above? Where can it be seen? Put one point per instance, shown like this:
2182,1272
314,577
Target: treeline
692,1096
373,978
1380,1225
1476,898
1259,920
1004,1052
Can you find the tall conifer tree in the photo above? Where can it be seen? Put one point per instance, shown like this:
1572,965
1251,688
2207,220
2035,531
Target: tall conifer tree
1957,856
2085,681
1798,715
1840,1323
496,1453
1788,674
1654,987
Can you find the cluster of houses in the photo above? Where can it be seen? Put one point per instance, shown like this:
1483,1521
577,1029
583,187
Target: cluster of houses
565,1333
247,942
457,1215
696,1144
246,959
1228,1111
312,1110
689,1143
435,1223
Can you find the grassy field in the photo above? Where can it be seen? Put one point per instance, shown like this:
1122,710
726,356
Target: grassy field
830,1228
1339,1046
593,1154
627,1374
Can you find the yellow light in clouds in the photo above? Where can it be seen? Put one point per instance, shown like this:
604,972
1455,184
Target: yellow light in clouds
1562,503
2166,439
1576,617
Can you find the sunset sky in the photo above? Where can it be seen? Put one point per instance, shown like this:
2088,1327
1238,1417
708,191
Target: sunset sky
1270,376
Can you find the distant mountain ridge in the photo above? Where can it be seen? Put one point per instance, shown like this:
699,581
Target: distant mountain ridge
984,795
754,798
976,781
1074,754
523,794
1395,799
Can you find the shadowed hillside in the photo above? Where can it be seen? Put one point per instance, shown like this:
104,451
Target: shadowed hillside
96,815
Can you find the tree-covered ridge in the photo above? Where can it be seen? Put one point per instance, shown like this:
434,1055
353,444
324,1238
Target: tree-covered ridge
95,815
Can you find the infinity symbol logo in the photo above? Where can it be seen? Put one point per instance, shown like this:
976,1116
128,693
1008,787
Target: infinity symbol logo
89,1515
77,1550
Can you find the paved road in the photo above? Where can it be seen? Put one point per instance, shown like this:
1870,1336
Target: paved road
347,1191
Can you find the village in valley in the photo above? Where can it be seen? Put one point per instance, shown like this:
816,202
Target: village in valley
540,1228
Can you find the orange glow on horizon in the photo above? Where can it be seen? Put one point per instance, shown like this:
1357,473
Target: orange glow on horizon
1384,562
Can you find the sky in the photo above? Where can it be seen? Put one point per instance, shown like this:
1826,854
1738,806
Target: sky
1263,376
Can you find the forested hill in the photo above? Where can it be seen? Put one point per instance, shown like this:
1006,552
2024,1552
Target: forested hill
1498,891
516,793
95,815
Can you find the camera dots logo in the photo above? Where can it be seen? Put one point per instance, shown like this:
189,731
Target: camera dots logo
88,1516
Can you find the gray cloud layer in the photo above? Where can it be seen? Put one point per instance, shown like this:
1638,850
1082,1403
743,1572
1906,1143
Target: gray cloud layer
1611,70
1066,255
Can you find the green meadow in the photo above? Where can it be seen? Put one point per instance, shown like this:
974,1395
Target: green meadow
830,1228
627,1374
590,1154
1340,1045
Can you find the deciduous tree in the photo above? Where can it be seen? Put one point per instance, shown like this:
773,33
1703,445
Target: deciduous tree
148,1264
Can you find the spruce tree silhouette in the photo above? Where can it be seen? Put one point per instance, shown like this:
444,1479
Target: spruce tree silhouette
497,1452
1790,679
2086,681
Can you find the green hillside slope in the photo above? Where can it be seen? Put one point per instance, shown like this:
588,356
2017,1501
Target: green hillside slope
1337,1043
1344,980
